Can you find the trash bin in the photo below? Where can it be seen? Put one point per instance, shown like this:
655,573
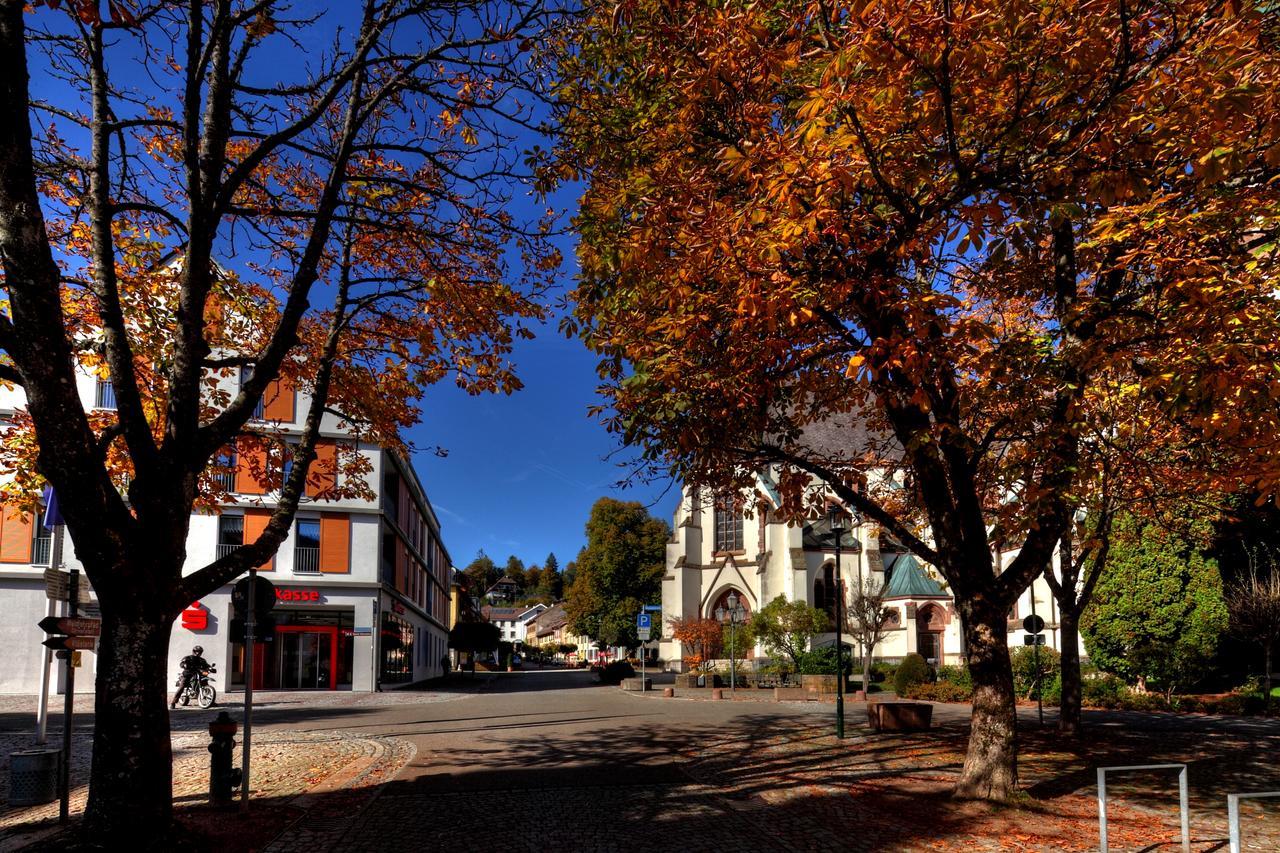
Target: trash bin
33,776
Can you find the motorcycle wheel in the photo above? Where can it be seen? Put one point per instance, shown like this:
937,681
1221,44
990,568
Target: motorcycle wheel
207,696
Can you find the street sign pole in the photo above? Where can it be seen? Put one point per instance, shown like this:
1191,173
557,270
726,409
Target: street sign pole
250,623
1036,656
42,713
68,705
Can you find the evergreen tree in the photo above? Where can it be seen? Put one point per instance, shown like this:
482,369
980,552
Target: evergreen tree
481,574
1158,612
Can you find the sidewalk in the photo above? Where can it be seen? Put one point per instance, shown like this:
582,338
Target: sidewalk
300,779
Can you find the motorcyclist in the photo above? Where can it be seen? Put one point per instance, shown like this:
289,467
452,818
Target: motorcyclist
192,665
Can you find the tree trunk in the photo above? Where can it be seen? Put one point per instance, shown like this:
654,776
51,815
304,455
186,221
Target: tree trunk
991,764
131,780
1069,706
866,670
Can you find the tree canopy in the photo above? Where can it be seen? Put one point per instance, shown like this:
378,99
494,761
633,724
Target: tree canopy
934,254
618,572
787,627
203,226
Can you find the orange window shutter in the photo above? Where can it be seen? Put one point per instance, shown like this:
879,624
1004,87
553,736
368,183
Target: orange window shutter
278,401
255,521
15,535
335,543
323,476
250,457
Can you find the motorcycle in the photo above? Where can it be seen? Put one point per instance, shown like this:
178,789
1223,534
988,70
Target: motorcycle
199,689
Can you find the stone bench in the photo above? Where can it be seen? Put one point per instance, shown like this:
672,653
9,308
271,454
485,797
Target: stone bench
900,716
793,694
638,684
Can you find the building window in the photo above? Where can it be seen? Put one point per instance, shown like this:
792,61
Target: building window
42,547
246,374
225,469
728,526
230,533
306,549
397,649
104,397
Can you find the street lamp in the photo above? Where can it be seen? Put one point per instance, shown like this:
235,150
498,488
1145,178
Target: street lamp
733,616
836,521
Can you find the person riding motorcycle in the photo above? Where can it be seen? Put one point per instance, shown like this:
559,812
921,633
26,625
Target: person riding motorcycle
192,665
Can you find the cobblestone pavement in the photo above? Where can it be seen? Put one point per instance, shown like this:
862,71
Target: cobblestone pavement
882,792
291,772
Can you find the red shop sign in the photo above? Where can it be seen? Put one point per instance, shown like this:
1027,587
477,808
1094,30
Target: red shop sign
195,618
298,596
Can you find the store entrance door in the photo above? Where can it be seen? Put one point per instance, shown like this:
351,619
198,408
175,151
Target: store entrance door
306,655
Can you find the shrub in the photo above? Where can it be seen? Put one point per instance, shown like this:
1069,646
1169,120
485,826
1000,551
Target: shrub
822,662
913,670
613,673
940,691
881,672
957,675
1023,659
1103,691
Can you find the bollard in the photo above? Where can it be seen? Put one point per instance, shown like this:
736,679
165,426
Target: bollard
223,778
717,693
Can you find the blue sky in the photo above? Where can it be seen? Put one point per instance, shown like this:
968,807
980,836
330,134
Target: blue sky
522,471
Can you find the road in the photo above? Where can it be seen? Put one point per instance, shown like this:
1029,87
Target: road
542,760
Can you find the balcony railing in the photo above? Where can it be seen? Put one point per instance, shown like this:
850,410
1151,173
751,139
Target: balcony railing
306,561
224,550
226,480
42,551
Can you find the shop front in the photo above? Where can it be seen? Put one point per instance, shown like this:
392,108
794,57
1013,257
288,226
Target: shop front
311,641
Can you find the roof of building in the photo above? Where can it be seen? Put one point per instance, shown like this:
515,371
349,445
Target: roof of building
550,619
908,579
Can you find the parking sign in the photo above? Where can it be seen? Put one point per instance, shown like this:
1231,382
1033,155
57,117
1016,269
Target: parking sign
643,621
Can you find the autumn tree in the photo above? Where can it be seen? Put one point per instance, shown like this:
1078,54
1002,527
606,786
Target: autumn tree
618,572
936,230
197,218
699,638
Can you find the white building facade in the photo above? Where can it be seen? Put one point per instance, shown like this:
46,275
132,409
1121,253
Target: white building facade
718,548
361,584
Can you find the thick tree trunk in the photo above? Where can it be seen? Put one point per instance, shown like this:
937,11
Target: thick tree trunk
131,781
991,764
1069,708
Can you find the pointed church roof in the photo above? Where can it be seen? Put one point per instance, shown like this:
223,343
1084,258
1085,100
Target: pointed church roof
907,579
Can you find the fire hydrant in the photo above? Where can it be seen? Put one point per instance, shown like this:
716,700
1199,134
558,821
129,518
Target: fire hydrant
223,778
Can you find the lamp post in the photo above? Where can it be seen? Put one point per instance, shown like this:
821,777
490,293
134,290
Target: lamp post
837,523
733,616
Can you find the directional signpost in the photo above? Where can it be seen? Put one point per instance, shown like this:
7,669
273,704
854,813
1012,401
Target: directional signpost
73,632
643,626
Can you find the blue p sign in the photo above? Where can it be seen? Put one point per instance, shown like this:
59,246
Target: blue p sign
642,621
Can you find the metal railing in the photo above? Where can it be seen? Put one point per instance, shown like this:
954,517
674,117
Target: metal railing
41,551
225,480
306,561
224,550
